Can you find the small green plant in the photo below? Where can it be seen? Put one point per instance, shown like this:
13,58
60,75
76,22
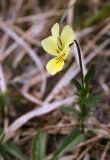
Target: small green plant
59,45
85,99
10,150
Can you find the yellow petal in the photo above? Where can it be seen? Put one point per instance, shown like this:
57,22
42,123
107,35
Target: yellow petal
66,51
50,46
55,65
55,31
67,35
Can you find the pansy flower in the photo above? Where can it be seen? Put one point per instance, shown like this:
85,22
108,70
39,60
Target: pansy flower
58,45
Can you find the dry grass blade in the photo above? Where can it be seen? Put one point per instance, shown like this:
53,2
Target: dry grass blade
8,52
92,140
22,43
36,112
29,50
39,16
105,151
2,80
97,37
84,152
26,87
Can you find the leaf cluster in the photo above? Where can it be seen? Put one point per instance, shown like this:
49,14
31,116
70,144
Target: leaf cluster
85,99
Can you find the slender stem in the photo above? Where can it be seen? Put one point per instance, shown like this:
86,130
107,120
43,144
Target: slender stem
80,61
81,125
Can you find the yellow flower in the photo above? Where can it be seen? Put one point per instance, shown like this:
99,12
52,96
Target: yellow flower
58,46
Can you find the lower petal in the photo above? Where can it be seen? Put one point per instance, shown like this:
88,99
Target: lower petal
55,65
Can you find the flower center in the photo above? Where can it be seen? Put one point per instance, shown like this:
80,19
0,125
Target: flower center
60,58
59,44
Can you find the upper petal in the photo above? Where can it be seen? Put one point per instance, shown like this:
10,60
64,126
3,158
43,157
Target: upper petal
50,46
55,65
66,51
67,35
55,31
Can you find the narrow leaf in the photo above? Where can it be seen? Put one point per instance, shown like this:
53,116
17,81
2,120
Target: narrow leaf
77,84
92,101
3,152
39,146
4,99
14,150
90,74
1,135
73,139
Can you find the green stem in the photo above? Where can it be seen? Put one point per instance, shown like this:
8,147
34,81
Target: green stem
80,61
81,125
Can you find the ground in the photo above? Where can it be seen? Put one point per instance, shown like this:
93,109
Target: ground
25,84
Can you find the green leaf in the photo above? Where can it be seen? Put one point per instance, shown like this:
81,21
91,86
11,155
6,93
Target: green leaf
3,152
92,101
13,150
74,138
90,74
77,84
70,109
1,135
4,99
39,146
